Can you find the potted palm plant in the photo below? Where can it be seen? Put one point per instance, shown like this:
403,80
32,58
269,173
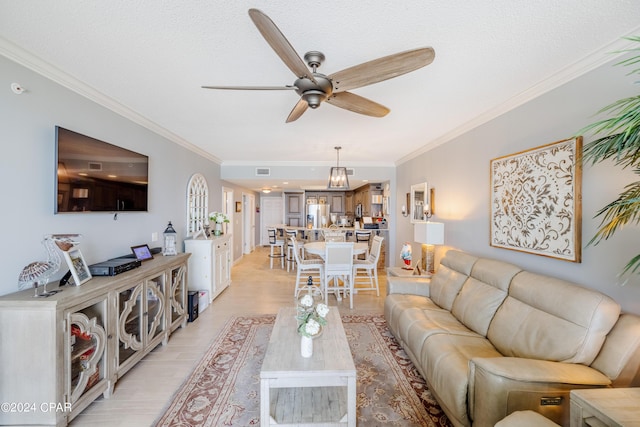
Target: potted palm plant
620,142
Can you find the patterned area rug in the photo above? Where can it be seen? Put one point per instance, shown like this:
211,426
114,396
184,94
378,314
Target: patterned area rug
224,389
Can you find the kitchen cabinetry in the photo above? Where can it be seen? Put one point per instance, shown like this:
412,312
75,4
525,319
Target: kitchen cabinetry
210,264
370,196
335,200
60,353
337,203
349,205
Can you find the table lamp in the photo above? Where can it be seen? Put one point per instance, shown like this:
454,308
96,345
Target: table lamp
429,234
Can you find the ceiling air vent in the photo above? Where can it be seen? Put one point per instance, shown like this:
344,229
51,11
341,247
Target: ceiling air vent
263,172
93,166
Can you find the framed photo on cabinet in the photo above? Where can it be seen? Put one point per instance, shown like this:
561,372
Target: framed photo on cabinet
77,266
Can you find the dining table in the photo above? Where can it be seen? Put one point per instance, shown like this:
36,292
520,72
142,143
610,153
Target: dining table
318,248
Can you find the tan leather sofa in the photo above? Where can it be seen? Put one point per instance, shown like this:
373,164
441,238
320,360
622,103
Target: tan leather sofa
491,339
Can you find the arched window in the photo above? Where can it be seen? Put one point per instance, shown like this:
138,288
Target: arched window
197,203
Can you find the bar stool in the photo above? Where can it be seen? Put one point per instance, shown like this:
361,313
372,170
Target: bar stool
276,243
363,236
291,258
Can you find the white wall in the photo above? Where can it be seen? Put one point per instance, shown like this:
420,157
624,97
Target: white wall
459,172
27,170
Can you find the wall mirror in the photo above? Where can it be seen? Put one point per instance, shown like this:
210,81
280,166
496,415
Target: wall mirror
420,206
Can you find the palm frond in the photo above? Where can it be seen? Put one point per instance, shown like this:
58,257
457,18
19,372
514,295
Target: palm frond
625,209
621,142
632,266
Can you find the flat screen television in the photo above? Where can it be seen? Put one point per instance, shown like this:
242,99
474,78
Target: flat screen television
95,176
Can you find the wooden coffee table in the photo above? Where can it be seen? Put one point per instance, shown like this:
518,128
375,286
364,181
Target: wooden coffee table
295,391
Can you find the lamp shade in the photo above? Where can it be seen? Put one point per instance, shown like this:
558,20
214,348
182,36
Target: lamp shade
430,233
338,179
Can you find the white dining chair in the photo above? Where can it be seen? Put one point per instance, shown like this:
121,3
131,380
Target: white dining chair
276,244
338,266
368,268
306,268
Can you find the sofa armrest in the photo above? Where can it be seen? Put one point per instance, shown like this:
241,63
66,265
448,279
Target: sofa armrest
502,385
408,285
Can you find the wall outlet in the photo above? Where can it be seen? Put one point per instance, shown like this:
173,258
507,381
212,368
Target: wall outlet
154,236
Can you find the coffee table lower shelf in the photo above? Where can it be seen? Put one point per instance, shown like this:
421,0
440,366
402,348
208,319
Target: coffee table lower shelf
311,406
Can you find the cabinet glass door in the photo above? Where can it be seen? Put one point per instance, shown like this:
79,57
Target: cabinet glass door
130,311
154,312
87,344
178,303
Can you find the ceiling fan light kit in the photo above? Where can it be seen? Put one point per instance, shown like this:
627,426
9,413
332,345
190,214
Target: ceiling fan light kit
315,88
338,178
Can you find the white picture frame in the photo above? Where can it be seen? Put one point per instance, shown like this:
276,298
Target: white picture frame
77,266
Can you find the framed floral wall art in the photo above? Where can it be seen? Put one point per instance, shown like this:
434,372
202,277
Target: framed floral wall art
536,200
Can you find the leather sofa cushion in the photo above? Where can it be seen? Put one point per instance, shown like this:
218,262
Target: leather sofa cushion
619,358
551,319
445,285
482,293
396,304
416,325
445,361
454,269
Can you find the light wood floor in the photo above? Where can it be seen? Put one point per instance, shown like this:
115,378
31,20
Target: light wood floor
141,395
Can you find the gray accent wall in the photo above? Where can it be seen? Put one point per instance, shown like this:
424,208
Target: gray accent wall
27,170
459,173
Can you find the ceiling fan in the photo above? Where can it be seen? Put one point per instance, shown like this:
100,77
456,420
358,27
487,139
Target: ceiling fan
314,87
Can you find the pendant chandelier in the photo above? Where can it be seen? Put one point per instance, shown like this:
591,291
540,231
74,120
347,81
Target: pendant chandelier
338,179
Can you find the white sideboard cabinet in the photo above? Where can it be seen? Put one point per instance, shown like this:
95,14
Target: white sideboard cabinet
210,264
58,354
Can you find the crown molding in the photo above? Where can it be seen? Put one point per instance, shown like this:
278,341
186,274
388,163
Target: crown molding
37,65
600,57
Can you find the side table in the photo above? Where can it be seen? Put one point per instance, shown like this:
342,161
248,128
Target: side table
611,407
401,272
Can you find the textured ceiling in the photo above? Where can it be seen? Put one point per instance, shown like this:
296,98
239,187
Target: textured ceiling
150,57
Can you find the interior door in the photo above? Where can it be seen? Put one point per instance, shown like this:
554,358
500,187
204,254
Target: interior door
271,213
248,223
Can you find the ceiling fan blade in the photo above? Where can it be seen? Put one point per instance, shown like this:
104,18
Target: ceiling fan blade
381,69
298,110
357,104
280,44
250,87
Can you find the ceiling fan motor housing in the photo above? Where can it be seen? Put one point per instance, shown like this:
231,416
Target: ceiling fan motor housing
314,93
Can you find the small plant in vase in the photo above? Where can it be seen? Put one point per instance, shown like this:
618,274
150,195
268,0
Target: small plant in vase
218,218
311,318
